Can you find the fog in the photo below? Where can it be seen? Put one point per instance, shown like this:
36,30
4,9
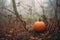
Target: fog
31,8
24,5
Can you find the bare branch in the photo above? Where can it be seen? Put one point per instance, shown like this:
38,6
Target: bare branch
17,14
8,10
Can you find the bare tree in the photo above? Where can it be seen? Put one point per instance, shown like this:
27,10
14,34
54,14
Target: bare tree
17,14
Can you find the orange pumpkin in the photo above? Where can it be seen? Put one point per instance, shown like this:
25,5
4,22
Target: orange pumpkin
39,26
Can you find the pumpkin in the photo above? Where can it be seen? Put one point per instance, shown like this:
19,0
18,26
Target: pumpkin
39,26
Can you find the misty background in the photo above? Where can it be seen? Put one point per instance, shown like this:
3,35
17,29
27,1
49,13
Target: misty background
29,9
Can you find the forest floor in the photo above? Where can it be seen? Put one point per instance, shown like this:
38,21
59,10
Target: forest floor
15,32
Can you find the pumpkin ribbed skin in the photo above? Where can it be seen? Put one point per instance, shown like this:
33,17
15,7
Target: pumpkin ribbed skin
39,26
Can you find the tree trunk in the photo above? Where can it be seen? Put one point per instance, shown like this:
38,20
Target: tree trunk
15,9
56,10
17,14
